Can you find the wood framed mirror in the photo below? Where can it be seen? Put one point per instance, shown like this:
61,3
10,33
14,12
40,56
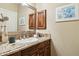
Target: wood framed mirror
31,21
41,21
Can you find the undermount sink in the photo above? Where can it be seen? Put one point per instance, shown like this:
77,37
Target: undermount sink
4,48
19,43
27,40
8,47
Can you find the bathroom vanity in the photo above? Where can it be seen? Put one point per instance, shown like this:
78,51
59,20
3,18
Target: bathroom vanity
41,47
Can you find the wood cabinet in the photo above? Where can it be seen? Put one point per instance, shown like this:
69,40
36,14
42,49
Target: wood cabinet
30,51
40,49
15,54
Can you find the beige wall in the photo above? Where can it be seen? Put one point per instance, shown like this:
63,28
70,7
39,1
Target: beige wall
64,35
67,39
68,33
9,6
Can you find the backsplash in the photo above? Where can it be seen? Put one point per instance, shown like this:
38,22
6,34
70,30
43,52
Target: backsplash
21,34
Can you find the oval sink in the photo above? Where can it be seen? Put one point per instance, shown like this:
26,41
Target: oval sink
27,40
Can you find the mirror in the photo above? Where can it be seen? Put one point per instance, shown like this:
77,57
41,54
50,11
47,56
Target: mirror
26,18
19,12
20,17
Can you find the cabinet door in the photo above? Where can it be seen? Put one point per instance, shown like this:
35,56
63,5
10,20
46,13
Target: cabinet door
44,48
34,53
47,48
26,52
41,52
41,49
31,51
47,51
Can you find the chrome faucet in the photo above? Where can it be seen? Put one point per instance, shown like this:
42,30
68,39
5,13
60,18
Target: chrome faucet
22,35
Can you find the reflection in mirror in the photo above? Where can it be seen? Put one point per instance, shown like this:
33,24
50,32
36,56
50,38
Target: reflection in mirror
8,20
19,20
27,19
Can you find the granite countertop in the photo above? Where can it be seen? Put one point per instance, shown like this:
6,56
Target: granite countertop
7,49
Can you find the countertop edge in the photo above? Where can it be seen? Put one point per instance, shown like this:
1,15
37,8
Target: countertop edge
25,46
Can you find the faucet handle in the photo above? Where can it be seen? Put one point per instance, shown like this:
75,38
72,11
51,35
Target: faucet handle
20,37
24,36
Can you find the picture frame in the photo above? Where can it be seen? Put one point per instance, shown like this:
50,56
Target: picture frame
32,21
67,13
22,21
41,22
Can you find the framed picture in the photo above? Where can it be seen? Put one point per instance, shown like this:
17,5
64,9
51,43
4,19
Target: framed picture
41,22
22,21
31,21
67,13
